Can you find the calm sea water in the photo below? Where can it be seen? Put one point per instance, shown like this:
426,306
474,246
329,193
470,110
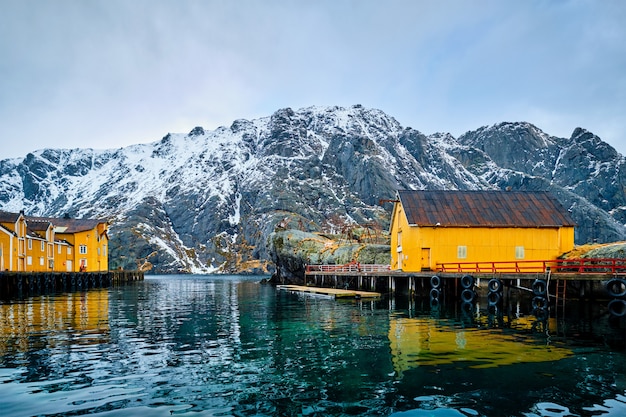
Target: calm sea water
228,346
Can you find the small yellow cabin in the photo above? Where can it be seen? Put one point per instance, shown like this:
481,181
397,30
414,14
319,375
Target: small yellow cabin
432,227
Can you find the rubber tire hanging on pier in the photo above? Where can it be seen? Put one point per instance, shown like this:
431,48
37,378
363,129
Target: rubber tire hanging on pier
467,281
540,287
435,281
616,287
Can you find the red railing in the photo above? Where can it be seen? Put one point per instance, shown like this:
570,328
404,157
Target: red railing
577,266
349,267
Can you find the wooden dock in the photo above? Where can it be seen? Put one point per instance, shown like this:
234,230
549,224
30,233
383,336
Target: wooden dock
21,284
330,292
549,283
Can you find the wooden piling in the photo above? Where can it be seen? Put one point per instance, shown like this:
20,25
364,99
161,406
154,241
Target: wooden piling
22,284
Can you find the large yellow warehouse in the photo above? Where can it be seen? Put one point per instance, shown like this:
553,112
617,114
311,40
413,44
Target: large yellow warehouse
431,227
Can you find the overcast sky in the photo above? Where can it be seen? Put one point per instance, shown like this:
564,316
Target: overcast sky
107,74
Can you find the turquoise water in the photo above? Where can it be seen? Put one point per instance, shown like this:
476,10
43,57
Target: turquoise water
228,346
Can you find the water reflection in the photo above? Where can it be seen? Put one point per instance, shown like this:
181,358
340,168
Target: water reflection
426,342
229,346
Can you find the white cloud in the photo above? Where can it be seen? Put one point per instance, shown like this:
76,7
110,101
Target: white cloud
113,73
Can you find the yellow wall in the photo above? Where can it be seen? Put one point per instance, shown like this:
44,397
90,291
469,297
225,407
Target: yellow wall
96,250
35,254
7,251
423,247
63,258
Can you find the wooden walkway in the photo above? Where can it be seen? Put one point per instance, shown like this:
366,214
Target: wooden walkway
330,292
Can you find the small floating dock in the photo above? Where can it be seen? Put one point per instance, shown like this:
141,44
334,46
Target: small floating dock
329,292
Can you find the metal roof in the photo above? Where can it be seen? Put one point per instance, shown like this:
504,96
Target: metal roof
7,217
65,225
62,224
483,209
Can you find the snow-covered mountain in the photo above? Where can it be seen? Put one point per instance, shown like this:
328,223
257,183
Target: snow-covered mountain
207,201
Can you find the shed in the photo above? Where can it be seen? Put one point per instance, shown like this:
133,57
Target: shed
436,226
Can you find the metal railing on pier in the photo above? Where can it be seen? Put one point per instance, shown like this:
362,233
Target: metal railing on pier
572,266
349,267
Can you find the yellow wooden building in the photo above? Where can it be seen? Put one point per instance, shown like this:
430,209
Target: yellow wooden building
431,227
12,242
87,241
45,244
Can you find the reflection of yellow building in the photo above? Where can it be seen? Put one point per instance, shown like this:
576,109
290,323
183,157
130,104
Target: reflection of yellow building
422,342
45,244
21,323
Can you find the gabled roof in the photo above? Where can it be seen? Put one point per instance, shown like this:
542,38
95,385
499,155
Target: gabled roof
6,217
38,225
61,224
64,225
483,209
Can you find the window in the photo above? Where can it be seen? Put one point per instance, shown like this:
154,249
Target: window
29,260
461,252
519,252
83,249
59,249
43,246
69,250
41,261
30,244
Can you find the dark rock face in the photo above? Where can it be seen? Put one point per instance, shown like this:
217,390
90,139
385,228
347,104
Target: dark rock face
209,201
292,250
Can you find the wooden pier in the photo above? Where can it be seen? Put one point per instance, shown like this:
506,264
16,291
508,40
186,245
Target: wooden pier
549,283
20,284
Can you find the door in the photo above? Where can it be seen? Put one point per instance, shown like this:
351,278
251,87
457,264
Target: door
425,259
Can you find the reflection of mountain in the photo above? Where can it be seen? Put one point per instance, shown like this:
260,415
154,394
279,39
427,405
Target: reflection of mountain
62,313
424,342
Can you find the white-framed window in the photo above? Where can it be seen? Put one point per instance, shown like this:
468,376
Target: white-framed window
30,244
41,261
29,260
59,251
519,252
43,246
461,252
69,250
82,249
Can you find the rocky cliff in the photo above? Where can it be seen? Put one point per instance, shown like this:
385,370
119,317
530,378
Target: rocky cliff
208,201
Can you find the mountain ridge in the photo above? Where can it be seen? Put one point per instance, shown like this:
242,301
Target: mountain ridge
208,201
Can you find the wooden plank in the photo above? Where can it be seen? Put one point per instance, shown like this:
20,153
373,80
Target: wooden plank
334,292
